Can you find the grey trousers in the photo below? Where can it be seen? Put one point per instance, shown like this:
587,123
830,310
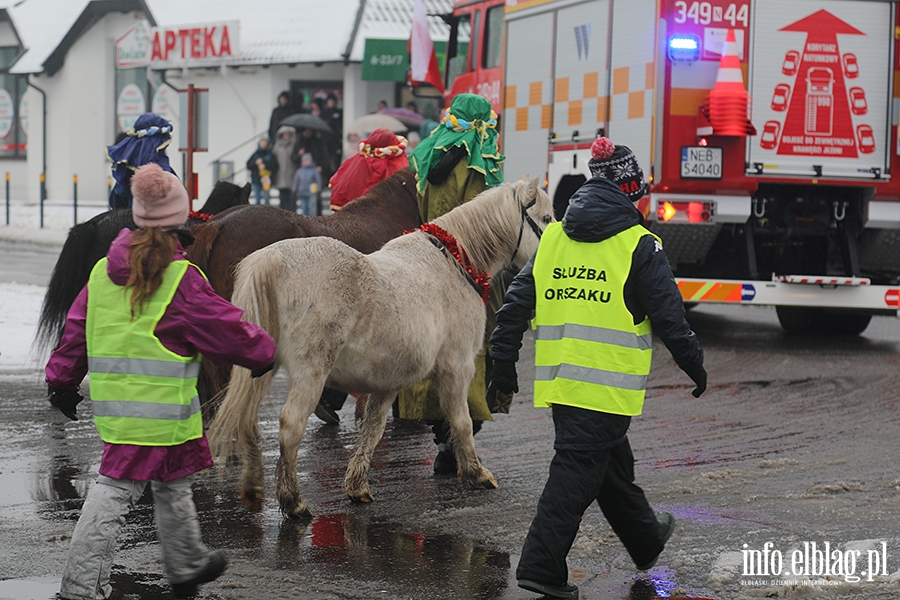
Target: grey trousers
94,541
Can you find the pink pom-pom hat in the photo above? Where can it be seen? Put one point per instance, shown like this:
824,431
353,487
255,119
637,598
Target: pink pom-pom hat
160,199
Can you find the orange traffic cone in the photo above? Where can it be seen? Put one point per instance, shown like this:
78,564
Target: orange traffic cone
729,102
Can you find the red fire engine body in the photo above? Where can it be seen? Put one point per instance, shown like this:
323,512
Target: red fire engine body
801,210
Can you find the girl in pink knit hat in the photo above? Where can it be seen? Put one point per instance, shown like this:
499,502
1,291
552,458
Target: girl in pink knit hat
140,326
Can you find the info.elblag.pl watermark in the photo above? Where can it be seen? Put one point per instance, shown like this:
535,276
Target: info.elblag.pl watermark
814,563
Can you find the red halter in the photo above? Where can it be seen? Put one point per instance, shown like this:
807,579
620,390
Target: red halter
480,280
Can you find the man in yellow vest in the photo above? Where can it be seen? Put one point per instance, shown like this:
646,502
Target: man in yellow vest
598,287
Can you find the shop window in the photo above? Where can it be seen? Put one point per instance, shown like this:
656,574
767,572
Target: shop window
13,116
132,91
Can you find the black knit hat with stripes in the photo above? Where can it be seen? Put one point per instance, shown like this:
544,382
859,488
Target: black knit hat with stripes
619,165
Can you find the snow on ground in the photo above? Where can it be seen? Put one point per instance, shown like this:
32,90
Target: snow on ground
25,221
20,303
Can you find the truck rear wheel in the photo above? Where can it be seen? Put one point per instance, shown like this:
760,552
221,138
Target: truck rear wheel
819,321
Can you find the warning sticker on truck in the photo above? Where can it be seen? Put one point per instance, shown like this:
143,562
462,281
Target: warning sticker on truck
819,92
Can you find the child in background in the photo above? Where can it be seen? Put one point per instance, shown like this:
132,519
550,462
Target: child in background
261,165
140,326
307,183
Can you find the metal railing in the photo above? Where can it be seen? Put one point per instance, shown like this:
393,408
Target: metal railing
43,203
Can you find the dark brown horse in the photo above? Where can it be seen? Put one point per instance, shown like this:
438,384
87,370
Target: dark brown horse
366,224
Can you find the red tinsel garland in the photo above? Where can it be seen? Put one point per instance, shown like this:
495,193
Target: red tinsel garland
199,216
481,279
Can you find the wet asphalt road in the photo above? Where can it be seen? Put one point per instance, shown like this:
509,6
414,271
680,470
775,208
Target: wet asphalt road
795,441
24,262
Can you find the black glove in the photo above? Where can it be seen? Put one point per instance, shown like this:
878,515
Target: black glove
503,377
65,401
698,374
260,372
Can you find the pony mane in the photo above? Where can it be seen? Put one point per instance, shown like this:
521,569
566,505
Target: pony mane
476,225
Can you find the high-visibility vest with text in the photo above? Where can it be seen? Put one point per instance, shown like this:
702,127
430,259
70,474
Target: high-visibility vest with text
588,351
142,392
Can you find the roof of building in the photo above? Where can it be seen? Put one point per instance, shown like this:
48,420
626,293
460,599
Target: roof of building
273,32
276,31
292,31
49,28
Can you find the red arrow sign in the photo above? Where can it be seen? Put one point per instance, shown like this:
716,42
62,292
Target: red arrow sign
818,121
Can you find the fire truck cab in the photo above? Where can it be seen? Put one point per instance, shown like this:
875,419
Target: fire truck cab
475,50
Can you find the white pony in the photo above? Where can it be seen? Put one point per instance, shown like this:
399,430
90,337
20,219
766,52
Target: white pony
373,324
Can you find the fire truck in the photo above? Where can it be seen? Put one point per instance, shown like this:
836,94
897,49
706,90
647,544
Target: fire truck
799,209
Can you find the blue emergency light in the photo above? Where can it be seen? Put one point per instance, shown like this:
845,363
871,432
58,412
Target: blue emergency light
684,48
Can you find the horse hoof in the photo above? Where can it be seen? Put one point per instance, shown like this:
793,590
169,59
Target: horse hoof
300,513
252,499
488,484
481,481
363,498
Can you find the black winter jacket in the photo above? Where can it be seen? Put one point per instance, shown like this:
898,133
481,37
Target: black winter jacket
269,161
597,211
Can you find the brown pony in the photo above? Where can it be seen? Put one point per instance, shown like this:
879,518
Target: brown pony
383,213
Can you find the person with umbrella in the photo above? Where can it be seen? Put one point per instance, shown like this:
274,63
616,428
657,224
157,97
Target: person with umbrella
280,113
311,132
458,161
283,150
144,143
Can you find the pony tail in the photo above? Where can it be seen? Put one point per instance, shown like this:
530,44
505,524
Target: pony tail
255,280
149,254
236,424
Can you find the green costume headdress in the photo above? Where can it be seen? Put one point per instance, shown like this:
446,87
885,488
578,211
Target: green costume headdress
470,123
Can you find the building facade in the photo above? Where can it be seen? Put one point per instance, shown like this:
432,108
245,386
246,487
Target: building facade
72,82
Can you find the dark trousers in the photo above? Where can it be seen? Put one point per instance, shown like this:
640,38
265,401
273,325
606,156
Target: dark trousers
576,480
286,199
441,430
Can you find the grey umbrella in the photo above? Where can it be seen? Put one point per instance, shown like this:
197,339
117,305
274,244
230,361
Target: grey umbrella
306,121
366,124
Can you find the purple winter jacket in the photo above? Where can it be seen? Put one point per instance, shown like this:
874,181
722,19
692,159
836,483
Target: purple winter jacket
197,320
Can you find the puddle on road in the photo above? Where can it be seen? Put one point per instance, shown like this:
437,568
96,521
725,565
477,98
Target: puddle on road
374,550
657,584
45,588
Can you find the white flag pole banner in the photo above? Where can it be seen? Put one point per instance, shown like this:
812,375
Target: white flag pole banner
421,43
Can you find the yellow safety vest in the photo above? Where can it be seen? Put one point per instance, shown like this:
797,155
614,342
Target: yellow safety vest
142,393
588,351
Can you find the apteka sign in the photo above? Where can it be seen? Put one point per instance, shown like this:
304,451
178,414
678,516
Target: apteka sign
177,45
